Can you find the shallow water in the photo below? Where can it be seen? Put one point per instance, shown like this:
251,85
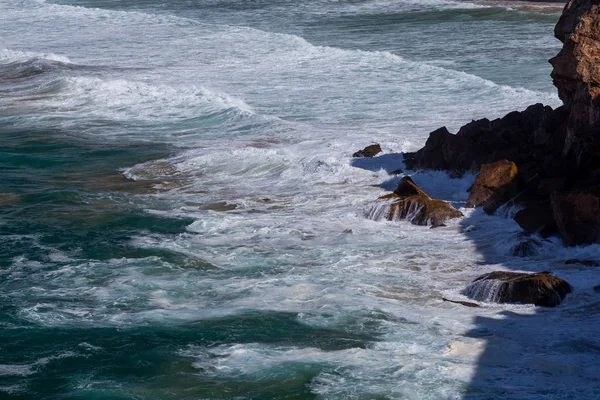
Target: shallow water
181,217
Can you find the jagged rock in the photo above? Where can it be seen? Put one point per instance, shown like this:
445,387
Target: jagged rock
369,151
482,142
541,289
397,172
537,218
577,215
409,202
577,76
587,263
496,184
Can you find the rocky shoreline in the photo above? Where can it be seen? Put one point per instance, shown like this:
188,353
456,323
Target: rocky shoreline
544,162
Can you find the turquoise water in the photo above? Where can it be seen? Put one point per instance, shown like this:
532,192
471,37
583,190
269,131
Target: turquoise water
180,217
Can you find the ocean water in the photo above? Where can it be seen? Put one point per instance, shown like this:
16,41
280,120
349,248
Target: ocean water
181,218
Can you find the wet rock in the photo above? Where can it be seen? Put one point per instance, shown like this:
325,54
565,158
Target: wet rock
409,202
438,226
538,219
369,151
496,184
154,170
587,263
397,172
541,289
597,289
577,215
220,206
527,247
464,303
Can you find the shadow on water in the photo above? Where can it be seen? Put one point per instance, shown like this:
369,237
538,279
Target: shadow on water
528,353
534,353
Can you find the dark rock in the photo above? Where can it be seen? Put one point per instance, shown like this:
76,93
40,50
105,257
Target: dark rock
438,226
397,172
597,289
577,215
475,129
587,263
527,247
549,186
541,289
369,151
540,137
464,303
496,184
537,218
409,202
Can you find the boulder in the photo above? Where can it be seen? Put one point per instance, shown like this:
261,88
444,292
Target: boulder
527,247
369,151
410,203
577,216
541,289
538,219
496,184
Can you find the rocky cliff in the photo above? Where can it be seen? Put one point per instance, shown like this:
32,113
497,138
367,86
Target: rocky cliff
556,152
576,74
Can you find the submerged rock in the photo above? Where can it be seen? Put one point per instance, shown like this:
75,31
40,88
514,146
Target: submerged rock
527,247
409,202
219,206
541,289
496,184
463,303
369,151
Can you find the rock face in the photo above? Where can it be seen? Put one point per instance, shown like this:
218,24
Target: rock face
538,219
578,217
541,289
576,74
369,151
496,184
409,202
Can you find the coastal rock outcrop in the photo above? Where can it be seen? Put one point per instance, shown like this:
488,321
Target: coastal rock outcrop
409,202
541,289
556,152
495,185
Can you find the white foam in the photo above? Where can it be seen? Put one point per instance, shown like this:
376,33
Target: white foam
8,55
